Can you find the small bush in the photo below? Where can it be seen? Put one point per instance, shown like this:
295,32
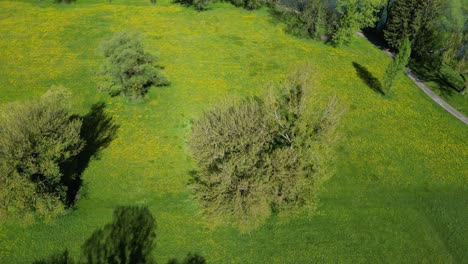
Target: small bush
129,70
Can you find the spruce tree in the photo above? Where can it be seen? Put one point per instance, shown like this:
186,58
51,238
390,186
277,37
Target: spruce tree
415,20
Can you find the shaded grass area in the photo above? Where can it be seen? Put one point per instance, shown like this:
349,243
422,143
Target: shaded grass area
400,193
442,85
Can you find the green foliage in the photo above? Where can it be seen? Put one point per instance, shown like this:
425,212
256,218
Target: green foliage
451,77
128,239
454,53
248,4
355,15
129,70
38,137
309,19
199,5
378,193
255,157
413,19
397,66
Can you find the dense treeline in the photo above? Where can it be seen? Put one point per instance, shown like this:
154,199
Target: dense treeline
436,44
438,38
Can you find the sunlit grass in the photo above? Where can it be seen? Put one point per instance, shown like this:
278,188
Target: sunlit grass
400,194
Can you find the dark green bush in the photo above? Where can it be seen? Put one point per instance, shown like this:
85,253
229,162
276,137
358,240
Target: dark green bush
128,69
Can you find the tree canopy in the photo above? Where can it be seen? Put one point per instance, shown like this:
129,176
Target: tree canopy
129,69
38,137
258,156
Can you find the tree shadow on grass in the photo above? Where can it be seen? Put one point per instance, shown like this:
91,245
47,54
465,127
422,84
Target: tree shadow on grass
368,78
98,130
129,238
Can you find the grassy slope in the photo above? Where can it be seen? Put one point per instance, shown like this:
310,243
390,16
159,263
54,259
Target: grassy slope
400,194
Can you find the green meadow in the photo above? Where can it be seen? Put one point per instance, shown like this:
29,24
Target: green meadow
400,192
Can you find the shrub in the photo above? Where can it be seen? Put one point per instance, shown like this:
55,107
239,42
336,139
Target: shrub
255,157
129,70
38,137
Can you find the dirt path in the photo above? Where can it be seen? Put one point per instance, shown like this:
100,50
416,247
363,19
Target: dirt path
429,92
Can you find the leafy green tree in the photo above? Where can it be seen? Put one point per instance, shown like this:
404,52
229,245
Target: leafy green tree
256,157
454,51
248,4
397,66
355,15
253,4
129,70
38,137
201,5
130,238
308,19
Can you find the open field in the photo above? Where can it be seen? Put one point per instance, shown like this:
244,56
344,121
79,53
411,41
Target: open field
401,190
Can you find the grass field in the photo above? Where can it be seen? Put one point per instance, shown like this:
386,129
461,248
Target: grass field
401,190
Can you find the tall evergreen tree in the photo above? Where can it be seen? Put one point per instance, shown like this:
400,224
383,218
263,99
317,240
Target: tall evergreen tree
415,20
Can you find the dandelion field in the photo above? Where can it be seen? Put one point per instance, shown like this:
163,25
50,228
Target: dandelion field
400,193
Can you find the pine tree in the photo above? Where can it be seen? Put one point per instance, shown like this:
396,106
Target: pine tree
415,20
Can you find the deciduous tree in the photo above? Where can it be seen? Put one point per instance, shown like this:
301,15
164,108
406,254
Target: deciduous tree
38,137
255,157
